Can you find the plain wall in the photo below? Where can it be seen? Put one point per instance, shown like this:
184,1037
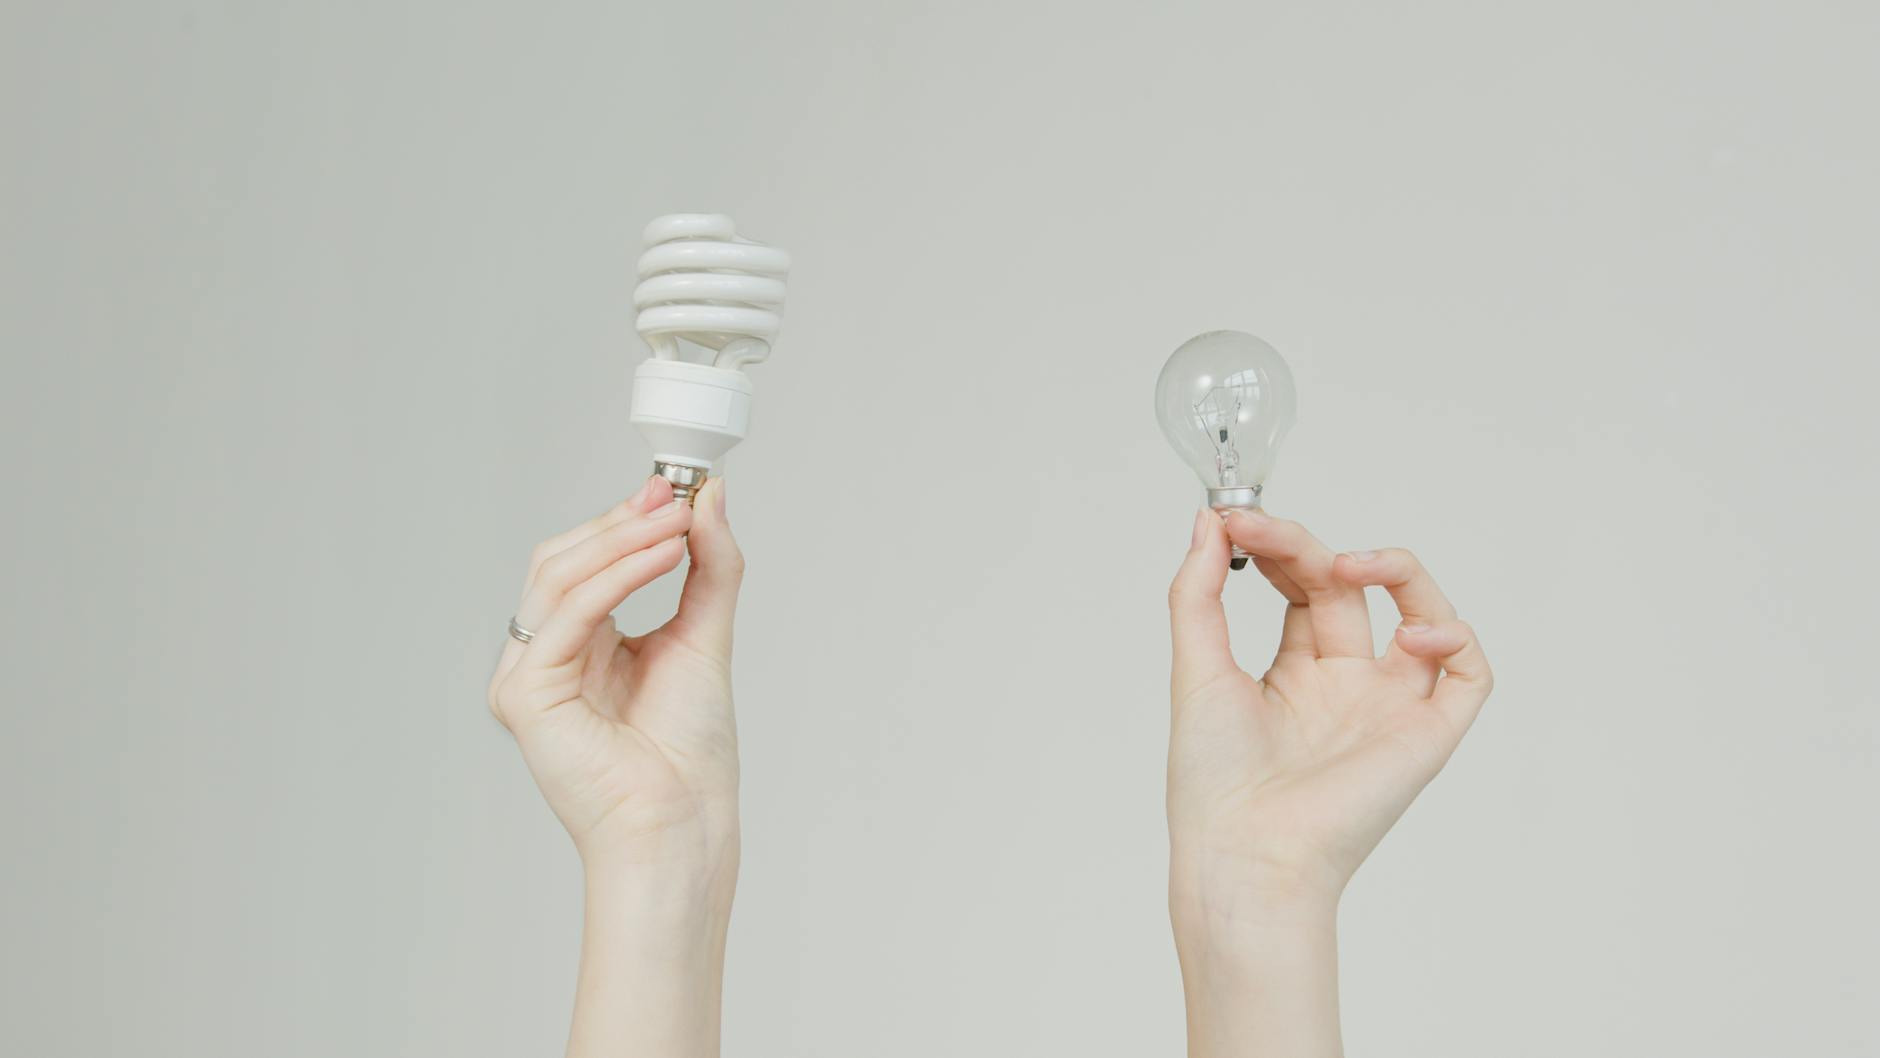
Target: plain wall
316,318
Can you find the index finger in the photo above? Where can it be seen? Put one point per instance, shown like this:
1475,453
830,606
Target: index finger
1341,626
641,502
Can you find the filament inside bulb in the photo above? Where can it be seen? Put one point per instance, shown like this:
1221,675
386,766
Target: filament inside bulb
1217,414
1224,400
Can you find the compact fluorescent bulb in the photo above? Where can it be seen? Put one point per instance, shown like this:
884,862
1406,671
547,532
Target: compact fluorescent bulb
709,304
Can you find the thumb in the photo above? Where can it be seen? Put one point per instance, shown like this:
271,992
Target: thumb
710,600
1196,618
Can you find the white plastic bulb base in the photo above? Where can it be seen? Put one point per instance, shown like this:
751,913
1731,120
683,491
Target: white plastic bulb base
691,414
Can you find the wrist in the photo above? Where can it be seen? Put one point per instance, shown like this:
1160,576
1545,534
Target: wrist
1259,956
694,860
1210,890
676,890
1245,918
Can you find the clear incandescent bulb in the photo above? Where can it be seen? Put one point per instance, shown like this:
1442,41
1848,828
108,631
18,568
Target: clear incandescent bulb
1225,401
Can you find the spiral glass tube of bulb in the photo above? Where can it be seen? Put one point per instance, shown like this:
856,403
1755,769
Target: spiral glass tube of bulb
702,282
1225,401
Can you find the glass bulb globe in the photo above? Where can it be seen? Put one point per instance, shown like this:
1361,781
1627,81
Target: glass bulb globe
1225,401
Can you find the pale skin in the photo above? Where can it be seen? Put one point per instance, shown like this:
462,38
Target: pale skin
633,743
1279,785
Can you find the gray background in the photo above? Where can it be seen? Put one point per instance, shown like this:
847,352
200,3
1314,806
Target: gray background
316,319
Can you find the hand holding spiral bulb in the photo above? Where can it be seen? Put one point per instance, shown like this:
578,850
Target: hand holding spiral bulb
702,287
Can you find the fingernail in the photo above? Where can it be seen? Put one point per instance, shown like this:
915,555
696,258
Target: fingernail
1201,525
668,510
1252,514
1415,630
1361,556
718,500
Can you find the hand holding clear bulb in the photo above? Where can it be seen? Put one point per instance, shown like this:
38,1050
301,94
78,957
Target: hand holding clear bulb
1281,784
1225,401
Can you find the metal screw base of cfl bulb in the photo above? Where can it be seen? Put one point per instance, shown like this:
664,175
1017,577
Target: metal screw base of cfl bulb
1236,498
686,480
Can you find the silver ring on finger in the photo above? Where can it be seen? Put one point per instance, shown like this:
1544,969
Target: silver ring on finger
519,633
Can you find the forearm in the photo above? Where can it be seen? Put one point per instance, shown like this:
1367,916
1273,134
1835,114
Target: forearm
1259,973
652,965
